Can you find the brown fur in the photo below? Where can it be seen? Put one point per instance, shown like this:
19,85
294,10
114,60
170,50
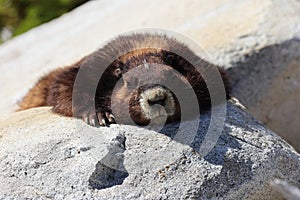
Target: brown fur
94,107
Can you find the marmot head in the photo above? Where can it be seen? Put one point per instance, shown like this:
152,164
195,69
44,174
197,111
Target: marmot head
144,95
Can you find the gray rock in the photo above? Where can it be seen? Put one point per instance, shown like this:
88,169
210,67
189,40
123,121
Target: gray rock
289,191
44,155
264,66
267,83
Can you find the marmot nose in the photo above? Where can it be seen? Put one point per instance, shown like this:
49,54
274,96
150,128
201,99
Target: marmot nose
160,101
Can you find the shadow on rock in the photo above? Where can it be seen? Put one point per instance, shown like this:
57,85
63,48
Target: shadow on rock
110,170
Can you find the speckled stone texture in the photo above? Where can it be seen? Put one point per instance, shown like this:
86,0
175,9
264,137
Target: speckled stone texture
44,155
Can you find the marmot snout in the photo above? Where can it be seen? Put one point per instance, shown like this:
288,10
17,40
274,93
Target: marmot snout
157,101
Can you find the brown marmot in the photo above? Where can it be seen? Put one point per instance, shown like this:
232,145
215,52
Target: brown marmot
106,69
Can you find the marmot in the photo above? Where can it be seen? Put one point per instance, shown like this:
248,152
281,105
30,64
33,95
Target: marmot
56,88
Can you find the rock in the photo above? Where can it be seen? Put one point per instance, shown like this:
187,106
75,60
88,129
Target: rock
258,41
44,155
267,83
289,191
266,77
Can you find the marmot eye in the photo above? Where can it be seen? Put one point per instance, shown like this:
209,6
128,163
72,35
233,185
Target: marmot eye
118,73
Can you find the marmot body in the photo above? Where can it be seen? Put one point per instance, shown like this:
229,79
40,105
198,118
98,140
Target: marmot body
94,106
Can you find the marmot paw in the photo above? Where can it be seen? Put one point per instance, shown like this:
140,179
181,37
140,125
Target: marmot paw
95,118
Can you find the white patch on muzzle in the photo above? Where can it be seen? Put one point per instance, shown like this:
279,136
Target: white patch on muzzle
156,110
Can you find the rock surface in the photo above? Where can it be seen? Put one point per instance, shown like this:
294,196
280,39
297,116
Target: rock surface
289,191
44,155
268,84
258,41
